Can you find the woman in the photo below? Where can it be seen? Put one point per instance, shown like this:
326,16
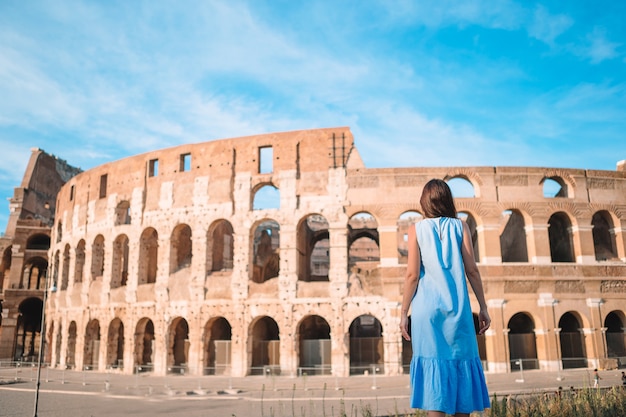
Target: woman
446,372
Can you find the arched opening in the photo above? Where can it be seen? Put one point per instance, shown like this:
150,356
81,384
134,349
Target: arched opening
603,236
38,241
181,248
616,337
92,345
220,247
5,266
148,256
122,213
265,347
315,346
266,255
34,273
55,270
70,354
178,346
28,330
522,342
97,257
473,226
144,345
58,339
119,267
572,342
554,187
266,197
218,334
461,187
313,246
115,345
79,262
406,220
513,237
363,253
561,241
59,232
366,345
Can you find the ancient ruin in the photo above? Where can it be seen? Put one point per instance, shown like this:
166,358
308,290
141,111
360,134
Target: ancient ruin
283,254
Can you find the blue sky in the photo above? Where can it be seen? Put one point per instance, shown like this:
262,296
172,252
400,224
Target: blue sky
420,83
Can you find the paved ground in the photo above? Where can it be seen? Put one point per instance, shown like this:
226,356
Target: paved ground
71,393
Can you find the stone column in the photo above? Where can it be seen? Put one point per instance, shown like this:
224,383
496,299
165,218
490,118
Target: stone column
584,250
538,242
594,342
338,273
620,241
489,243
547,338
388,242
496,338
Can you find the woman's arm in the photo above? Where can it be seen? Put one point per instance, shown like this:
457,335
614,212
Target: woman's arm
473,275
411,280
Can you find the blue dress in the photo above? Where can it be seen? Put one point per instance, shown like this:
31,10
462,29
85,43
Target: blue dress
446,372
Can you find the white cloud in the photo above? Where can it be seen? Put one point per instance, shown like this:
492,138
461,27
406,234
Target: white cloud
598,47
546,27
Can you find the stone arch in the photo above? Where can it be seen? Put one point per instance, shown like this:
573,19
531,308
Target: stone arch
181,250
264,346
38,241
557,184
65,268
513,244
406,220
313,248
266,196
572,341
97,257
28,330
314,345
79,261
58,340
363,239
119,262
92,345
148,256
122,213
5,266
561,238
220,249
469,218
522,342
461,187
55,269
366,345
144,345
70,354
178,346
115,344
217,346
35,269
615,325
604,243
265,250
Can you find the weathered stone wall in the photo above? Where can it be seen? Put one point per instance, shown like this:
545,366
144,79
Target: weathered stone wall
216,283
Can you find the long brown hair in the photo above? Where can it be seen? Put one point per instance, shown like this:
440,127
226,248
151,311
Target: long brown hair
436,200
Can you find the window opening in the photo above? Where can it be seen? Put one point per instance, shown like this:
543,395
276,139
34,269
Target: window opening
153,168
266,197
185,162
103,185
266,158
461,188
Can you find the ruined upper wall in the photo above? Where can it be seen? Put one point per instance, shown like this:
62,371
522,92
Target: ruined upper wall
35,199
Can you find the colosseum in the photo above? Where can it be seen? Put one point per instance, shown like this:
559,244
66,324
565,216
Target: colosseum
283,254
